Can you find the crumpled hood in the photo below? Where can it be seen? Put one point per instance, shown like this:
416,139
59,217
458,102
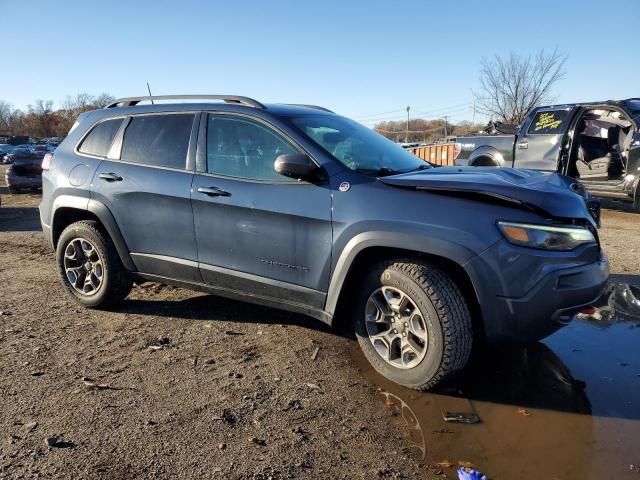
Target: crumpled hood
549,192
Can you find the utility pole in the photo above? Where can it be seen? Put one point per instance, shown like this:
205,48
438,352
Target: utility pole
445,127
474,112
407,137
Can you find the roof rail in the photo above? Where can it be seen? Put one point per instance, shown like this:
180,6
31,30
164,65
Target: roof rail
131,101
317,107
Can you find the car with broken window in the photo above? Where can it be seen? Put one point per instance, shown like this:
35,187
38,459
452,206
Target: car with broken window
597,143
298,208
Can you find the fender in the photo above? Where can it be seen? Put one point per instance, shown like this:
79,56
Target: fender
487,151
397,240
106,218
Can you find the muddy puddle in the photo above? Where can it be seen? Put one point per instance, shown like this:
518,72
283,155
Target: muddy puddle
565,408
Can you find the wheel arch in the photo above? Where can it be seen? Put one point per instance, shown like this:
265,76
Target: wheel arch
345,279
66,213
486,156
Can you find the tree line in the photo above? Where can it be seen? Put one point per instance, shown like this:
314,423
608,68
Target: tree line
41,119
423,131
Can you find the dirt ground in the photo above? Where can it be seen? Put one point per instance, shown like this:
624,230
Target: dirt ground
190,385
178,384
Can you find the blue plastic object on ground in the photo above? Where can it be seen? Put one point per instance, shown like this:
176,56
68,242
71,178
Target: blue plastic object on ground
470,474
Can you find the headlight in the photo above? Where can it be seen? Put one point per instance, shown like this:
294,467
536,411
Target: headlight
546,237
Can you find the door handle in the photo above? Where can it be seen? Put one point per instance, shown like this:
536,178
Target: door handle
110,177
523,145
213,192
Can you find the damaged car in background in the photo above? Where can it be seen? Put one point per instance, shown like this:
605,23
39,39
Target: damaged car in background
597,143
298,208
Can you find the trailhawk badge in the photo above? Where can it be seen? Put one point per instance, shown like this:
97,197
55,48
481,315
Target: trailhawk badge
344,186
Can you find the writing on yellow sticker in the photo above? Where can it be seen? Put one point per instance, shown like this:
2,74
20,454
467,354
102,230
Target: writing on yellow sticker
547,121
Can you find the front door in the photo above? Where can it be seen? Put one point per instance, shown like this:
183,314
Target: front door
259,232
147,188
539,143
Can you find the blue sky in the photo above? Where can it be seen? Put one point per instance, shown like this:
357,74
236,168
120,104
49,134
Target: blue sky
364,59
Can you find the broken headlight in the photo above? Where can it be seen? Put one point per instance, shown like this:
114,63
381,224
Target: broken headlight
546,237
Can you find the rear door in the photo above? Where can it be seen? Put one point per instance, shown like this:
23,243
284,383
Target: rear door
258,232
146,184
541,139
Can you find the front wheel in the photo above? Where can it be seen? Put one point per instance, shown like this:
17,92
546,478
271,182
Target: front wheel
413,324
89,266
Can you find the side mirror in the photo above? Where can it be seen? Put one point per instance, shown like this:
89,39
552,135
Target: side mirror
298,166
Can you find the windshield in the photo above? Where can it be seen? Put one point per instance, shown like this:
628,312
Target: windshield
356,146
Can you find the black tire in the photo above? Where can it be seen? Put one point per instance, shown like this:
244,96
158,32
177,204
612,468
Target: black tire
13,190
116,283
448,322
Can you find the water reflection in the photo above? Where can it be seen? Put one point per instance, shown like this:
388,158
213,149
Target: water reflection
568,408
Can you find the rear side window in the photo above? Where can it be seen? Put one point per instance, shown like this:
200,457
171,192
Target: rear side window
100,137
549,123
159,140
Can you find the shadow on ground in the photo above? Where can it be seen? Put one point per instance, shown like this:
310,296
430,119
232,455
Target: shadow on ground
17,219
617,205
210,307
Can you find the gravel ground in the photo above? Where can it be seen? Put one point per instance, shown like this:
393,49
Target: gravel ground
183,385
176,384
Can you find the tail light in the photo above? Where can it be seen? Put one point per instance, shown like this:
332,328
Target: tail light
457,148
46,161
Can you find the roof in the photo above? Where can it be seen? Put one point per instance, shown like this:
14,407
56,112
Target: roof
615,103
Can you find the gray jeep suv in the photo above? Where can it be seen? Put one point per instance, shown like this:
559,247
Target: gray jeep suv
298,208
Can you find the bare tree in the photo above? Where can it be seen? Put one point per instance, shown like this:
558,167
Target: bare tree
103,100
510,87
7,114
40,118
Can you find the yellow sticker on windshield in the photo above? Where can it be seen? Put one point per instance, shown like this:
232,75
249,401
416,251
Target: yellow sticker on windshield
547,121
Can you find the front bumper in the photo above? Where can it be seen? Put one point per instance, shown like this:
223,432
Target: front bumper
552,302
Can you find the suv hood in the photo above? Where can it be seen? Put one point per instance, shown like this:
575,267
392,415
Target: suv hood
554,194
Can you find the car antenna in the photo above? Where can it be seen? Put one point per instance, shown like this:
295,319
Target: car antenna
150,96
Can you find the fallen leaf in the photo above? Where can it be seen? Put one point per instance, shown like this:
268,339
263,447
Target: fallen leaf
465,464
89,383
524,412
444,464
388,402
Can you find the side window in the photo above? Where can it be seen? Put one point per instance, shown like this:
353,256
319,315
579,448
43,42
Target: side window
159,140
244,149
549,123
99,139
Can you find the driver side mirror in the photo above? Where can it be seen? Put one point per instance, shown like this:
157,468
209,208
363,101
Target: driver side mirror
298,166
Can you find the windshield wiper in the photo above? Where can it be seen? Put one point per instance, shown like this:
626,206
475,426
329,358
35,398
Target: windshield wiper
378,172
424,166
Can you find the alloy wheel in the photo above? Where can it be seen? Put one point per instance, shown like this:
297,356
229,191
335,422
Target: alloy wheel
396,327
83,266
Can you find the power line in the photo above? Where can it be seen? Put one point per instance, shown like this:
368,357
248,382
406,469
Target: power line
429,111
433,113
409,131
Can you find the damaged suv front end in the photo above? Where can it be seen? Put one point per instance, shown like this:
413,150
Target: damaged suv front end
544,268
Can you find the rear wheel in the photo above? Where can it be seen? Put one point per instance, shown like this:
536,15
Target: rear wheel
89,266
413,324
